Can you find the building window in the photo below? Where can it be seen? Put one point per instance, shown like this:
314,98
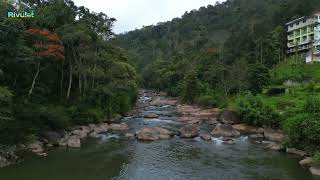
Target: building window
297,23
304,21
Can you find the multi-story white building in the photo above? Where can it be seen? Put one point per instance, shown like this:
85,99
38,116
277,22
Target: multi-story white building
303,35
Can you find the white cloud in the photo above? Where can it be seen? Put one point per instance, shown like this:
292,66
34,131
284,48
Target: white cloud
132,14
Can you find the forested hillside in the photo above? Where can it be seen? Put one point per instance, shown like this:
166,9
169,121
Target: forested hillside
226,48
58,69
232,55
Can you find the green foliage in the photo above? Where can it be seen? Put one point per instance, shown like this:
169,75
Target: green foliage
258,77
90,82
303,131
312,105
206,101
293,68
254,111
316,157
190,87
303,127
5,104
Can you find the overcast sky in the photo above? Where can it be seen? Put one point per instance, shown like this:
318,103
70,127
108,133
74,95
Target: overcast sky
132,14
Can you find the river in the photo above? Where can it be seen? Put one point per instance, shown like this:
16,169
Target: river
116,157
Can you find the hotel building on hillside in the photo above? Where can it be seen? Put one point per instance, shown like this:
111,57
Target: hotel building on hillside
303,35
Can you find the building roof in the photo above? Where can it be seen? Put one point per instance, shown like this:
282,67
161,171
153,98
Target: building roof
295,20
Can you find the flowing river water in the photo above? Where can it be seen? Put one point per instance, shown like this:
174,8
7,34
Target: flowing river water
116,157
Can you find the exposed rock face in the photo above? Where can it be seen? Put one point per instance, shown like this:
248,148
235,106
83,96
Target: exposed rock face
64,141
119,127
306,162
229,117
247,129
8,159
315,170
94,135
273,135
100,128
80,133
212,121
154,133
225,130
4,162
151,116
296,151
189,131
74,142
36,147
205,137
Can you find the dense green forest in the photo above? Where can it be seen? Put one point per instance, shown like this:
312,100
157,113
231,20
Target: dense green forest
228,47
232,55
58,70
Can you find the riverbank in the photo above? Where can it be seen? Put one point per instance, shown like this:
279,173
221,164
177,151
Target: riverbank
189,122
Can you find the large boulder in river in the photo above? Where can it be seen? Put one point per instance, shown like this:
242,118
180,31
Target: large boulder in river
315,170
247,129
74,142
273,135
225,130
308,161
189,131
229,117
119,127
153,133
100,128
80,133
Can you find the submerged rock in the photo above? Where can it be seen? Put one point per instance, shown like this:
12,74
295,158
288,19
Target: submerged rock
225,130
153,133
189,131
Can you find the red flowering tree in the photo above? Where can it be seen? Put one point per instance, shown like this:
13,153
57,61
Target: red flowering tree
46,46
